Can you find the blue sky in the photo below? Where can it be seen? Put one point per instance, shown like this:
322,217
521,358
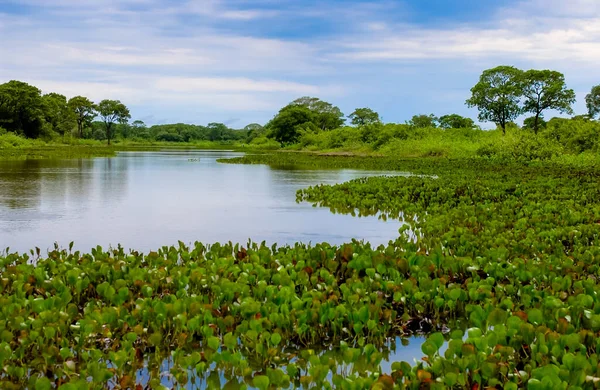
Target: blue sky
239,61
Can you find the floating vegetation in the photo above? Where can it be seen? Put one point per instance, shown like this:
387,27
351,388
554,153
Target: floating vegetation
501,277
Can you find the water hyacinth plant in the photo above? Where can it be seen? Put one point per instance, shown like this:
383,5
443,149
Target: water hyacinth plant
497,266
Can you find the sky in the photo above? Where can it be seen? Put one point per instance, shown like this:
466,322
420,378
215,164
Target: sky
240,61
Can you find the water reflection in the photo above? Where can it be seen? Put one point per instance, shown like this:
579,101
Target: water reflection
232,373
144,200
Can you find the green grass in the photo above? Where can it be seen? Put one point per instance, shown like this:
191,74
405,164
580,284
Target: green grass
16,147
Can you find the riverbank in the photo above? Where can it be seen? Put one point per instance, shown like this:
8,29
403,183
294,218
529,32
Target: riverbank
14,147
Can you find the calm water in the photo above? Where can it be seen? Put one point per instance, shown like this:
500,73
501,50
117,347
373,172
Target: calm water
144,200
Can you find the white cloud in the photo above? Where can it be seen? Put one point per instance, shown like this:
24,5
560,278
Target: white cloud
241,84
209,52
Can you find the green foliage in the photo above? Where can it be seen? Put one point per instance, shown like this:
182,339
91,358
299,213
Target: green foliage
22,108
325,115
592,102
530,123
497,95
521,146
84,111
423,121
287,124
455,121
364,116
58,114
543,90
111,112
496,263
577,135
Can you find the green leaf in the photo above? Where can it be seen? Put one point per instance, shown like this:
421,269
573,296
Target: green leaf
535,316
275,338
43,383
261,382
214,343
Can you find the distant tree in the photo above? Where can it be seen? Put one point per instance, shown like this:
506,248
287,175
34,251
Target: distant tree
325,115
423,121
530,123
592,101
138,124
111,112
455,121
546,89
22,108
217,131
253,130
84,111
497,95
287,124
364,116
582,118
57,113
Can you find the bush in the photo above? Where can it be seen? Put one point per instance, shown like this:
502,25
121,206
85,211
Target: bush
577,135
521,147
169,137
265,143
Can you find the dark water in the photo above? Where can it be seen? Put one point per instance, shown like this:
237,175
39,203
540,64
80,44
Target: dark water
144,200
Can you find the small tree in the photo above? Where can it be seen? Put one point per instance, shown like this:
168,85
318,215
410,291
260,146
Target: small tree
497,95
531,122
364,116
423,121
84,111
455,121
112,111
592,101
545,89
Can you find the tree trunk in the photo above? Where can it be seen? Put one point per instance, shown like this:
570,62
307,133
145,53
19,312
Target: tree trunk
535,123
108,133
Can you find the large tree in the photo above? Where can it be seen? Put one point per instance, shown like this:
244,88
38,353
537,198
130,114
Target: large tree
58,114
325,115
497,95
22,108
592,101
111,112
84,111
455,121
545,89
364,116
286,125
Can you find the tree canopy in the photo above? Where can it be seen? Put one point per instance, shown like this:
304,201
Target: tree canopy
22,108
455,121
323,114
84,111
423,121
497,95
111,112
592,101
363,116
545,89
286,125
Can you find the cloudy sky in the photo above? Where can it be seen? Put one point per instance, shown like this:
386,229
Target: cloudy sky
239,61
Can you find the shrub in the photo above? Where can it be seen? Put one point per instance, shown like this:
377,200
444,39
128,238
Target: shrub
169,137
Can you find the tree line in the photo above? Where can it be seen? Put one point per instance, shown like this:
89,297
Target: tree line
25,111
501,95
